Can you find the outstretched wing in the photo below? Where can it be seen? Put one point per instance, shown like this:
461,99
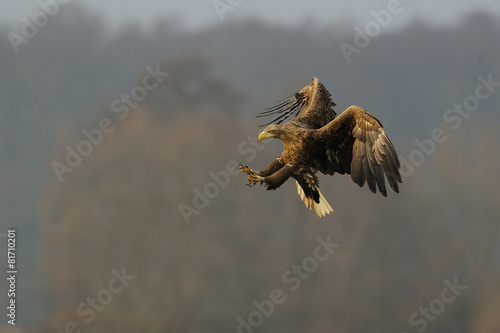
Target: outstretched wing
355,143
311,107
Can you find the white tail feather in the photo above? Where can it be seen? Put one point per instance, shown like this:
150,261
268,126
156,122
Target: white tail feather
322,208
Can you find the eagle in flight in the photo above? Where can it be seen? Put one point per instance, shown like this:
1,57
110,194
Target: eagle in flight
316,140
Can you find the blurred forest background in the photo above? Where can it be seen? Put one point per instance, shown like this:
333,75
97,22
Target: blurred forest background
120,207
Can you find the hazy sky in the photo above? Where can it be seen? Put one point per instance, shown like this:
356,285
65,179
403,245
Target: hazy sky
200,13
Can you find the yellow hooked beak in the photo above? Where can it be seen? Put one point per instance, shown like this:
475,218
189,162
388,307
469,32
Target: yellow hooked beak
263,135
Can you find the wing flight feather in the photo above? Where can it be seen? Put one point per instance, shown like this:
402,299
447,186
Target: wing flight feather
373,156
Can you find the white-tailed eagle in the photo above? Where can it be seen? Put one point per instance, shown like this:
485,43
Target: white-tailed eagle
316,140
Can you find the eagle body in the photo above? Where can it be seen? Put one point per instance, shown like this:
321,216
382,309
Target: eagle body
317,140
296,145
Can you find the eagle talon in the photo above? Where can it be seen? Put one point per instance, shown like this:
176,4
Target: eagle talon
254,179
247,170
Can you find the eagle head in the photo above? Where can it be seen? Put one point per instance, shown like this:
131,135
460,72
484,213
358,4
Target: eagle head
272,131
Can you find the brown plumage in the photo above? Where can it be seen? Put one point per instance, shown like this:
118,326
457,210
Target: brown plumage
316,140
